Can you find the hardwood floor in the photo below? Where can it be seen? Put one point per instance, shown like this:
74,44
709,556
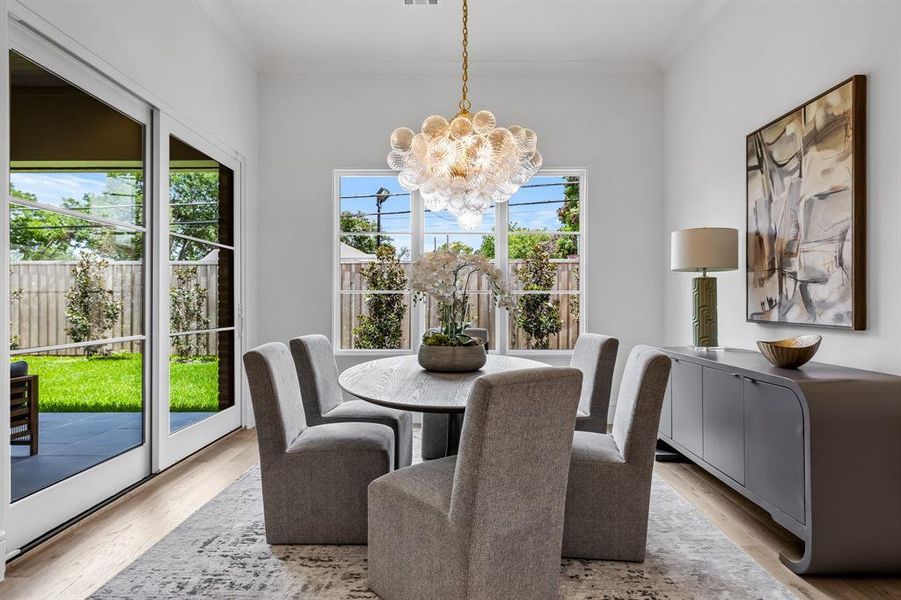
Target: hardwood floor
84,557
752,529
79,560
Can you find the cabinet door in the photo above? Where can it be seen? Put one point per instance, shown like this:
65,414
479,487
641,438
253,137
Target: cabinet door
724,427
666,413
774,430
686,401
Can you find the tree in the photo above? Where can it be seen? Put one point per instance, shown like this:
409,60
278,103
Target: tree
357,221
44,235
458,247
382,327
194,211
538,314
518,244
91,309
187,312
569,219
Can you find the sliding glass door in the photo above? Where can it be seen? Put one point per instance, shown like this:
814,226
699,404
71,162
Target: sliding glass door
124,301
79,281
199,320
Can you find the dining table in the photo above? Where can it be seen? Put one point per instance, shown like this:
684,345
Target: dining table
400,382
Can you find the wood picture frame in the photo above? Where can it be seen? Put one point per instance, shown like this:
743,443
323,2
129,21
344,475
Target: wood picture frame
805,213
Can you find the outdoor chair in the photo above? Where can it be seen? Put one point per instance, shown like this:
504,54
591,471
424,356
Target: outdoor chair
23,407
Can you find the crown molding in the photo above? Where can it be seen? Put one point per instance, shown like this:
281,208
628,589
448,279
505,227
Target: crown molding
278,67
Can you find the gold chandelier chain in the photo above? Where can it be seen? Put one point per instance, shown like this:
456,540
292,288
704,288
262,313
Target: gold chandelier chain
465,104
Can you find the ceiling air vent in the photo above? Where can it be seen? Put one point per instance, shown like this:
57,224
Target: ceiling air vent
420,2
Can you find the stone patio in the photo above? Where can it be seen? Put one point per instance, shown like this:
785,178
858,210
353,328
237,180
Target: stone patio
72,442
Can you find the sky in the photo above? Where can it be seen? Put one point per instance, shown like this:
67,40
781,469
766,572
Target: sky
441,227
53,188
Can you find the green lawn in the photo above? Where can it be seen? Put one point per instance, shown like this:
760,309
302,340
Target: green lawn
79,384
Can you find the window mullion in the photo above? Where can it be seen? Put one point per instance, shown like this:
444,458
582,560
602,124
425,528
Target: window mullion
417,225
501,252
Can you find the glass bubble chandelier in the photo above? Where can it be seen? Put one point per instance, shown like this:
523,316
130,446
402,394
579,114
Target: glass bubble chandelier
465,165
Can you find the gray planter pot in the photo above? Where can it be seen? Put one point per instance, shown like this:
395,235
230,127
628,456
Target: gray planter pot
452,359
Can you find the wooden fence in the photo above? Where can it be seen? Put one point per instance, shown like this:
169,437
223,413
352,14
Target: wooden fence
38,316
482,311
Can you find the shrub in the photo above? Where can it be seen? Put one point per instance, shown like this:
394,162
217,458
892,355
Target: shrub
538,314
382,328
187,304
14,297
91,309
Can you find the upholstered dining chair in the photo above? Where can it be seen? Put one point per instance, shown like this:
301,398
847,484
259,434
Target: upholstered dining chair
609,488
434,425
595,356
323,400
486,523
314,479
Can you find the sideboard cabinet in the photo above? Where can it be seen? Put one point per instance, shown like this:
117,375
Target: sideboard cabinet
819,448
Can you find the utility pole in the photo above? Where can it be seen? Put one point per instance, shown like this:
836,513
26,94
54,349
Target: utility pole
380,197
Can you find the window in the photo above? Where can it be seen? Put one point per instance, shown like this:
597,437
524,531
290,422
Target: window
381,228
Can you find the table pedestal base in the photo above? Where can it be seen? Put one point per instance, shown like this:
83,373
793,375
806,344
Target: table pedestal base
454,428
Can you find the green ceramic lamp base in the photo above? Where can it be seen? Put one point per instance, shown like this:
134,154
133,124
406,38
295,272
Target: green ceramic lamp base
704,317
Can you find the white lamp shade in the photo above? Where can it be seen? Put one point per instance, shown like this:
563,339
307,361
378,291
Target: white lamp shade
710,248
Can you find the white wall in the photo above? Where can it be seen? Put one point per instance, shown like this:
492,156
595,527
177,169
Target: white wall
756,61
610,124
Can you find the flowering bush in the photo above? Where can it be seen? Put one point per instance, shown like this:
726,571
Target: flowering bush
445,275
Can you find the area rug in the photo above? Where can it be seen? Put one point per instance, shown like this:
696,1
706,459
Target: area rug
221,552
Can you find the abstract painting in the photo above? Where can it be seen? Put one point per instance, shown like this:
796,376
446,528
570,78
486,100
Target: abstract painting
806,202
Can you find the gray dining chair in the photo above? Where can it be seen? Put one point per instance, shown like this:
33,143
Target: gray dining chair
488,522
323,400
595,356
609,487
434,425
314,479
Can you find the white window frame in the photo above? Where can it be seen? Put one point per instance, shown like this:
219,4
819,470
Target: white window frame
418,233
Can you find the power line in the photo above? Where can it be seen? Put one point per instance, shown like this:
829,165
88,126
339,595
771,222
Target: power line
398,194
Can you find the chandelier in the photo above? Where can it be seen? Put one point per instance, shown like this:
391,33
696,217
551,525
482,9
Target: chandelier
465,165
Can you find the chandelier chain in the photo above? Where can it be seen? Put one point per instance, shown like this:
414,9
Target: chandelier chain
465,104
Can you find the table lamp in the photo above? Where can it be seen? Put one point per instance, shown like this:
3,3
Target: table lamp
702,250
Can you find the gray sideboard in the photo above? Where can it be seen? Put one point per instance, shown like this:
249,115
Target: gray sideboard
819,448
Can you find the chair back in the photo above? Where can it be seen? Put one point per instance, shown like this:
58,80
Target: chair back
640,401
509,487
595,356
275,395
317,373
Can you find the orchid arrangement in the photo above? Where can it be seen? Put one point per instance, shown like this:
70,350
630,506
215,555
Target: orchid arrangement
446,275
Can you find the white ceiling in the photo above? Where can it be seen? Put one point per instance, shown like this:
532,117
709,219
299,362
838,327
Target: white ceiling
297,36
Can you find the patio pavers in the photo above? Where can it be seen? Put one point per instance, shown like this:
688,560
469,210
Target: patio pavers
72,442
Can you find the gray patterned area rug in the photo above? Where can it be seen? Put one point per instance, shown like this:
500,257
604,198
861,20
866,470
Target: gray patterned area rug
221,552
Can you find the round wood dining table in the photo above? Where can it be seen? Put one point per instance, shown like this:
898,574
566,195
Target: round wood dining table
399,382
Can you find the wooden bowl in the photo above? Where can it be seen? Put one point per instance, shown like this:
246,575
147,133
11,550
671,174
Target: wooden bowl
790,353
